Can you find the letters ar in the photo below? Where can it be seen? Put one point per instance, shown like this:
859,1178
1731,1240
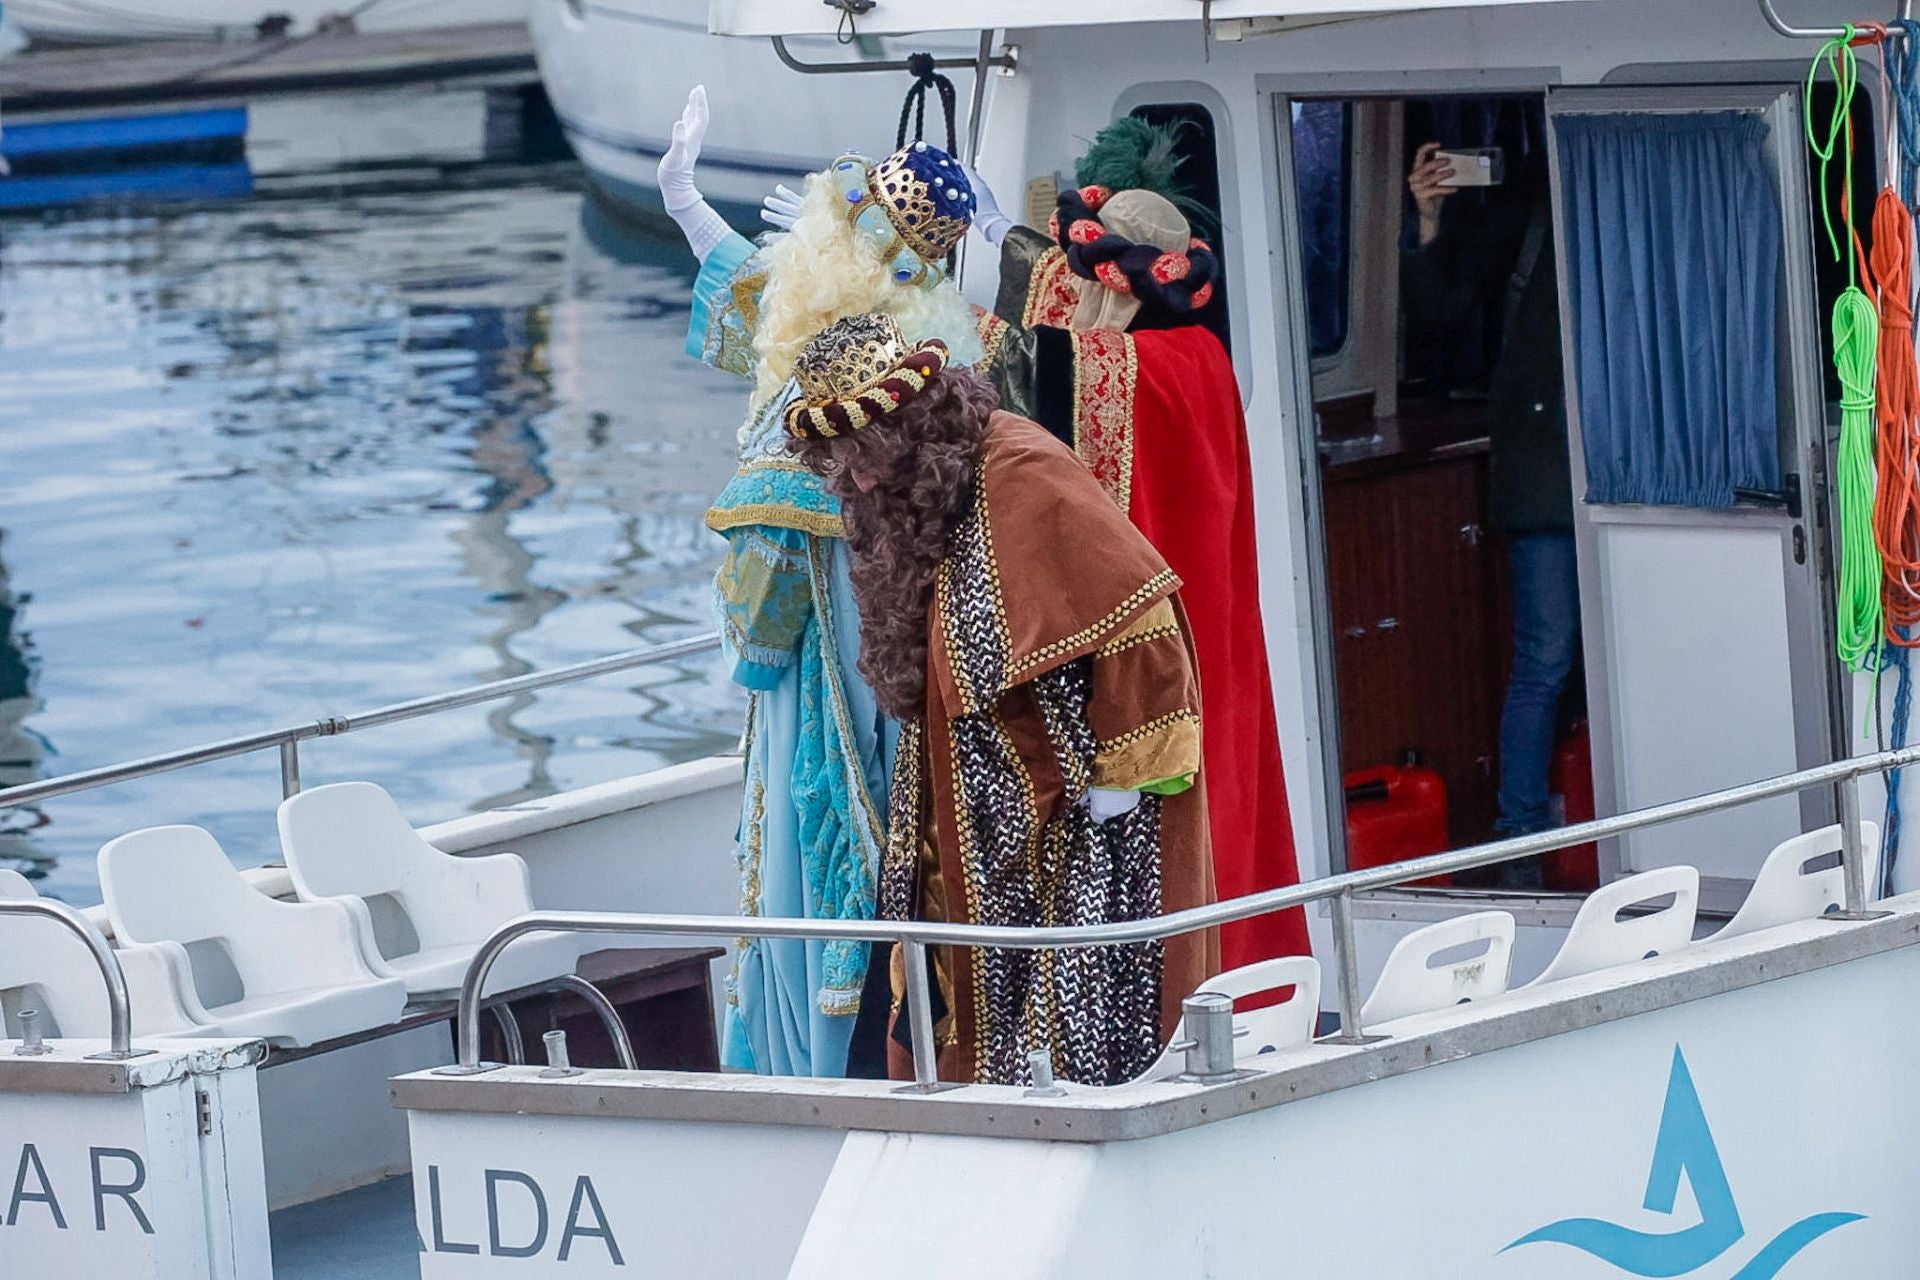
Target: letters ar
118,1175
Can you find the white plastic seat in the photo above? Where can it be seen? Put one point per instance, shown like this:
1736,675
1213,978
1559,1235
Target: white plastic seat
421,914
44,967
294,968
1286,1025
1786,891
1419,979
1601,937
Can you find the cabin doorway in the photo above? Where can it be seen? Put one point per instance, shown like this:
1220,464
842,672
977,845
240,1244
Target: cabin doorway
1433,331
1500,653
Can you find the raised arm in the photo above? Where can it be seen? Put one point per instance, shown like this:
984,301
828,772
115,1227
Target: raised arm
703,227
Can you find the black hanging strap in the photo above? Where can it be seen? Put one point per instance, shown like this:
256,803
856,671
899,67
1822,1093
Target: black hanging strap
923,69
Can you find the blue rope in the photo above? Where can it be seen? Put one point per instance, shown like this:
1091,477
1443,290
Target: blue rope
1903,71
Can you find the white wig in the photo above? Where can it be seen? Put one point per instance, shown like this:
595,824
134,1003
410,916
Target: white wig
823,271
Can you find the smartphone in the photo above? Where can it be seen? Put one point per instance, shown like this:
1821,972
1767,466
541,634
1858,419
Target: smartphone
1474,166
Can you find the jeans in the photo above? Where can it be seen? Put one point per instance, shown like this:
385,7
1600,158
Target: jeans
1546,638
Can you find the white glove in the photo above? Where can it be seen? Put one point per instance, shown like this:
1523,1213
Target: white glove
676,167
781,209
703,227
992,224
1106,805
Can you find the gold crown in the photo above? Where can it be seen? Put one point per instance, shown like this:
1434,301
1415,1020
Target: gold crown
848,357
856,372
910,205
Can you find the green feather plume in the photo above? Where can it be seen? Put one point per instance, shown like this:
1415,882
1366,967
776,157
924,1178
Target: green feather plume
1133,154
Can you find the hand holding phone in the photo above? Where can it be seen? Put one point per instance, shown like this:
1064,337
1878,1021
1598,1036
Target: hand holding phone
1473,166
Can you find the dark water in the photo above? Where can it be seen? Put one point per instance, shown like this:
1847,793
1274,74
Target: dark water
303,454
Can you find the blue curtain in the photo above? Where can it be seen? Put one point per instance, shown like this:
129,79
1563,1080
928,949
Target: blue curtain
1673,245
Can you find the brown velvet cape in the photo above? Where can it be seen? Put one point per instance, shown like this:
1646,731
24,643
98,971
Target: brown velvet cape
1060,660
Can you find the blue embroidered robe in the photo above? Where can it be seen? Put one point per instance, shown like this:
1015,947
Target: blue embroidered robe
818,749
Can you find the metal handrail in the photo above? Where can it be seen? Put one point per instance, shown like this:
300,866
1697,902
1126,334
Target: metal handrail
1774,20
915,936
119,1013
1006,61
287,739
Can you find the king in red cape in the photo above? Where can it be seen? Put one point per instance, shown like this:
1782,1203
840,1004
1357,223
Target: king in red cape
1097,335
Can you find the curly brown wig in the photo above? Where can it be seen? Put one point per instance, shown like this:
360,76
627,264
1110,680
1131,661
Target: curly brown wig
920,462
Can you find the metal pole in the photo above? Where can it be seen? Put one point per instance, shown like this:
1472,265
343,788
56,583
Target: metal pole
609,1017
509,1033
895,65
289,768
119,1015
1853,858
1774,20
915,937
926,1053
976,119
146,767
1351,1031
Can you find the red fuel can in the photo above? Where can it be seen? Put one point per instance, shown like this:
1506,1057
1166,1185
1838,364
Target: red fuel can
1570,780
1395,813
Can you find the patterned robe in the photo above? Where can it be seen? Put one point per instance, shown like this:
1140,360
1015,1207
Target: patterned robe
1059,661
1156,416
818,749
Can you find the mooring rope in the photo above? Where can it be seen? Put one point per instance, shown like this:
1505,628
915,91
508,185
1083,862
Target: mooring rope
1856,328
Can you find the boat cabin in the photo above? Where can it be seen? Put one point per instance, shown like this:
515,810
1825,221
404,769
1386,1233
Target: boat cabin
1520,1072
1705,566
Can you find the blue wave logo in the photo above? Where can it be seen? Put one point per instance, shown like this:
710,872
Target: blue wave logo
1685,1146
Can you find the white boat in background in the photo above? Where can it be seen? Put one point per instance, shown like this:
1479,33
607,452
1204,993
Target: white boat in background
73,21
618,71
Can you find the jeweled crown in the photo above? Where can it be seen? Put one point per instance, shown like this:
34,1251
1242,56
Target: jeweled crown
856,372
849,356
926,196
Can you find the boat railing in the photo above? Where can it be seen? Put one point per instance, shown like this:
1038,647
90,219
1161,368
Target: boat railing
119,1010
287,740
914,937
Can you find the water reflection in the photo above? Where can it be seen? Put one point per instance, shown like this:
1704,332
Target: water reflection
299,455
21,750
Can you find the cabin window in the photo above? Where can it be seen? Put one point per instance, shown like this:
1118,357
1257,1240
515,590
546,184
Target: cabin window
1323,177
1199,152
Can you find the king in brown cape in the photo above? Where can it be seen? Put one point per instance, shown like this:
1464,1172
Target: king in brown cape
1051,771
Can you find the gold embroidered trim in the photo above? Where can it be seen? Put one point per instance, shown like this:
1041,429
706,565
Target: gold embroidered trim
817,523
837,695
1106,382
970,696
1134,638
1167,747
1151,727
1160,583
1156,623
992,331
772,463
746,298
1052,295
839,1004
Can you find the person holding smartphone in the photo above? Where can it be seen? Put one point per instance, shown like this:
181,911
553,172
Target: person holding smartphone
1467,256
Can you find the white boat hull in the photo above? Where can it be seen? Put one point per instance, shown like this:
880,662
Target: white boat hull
618,72
1540,1134
148,19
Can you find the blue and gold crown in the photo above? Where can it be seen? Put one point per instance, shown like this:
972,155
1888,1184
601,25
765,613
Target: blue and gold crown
922,192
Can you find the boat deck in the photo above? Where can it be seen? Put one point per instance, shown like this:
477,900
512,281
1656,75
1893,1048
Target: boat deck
181,70
364,1234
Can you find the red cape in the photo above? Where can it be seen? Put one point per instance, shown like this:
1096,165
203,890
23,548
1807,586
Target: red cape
1158,419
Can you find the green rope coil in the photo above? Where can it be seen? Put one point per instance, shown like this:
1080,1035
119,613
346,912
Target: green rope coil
1856,339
